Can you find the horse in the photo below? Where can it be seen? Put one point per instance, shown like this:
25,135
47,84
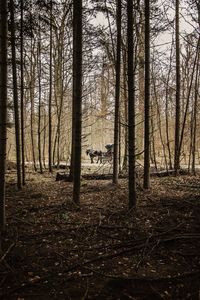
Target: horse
106,157
94,153
101,156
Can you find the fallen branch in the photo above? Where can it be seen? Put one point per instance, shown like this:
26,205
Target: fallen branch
172,279
67,178
164,173
6,253
137,246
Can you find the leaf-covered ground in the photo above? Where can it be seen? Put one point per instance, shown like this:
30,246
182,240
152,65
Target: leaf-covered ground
53,249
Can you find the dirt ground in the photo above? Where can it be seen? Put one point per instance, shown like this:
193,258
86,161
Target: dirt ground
54,250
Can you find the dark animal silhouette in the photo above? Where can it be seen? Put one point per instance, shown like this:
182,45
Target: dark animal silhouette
94,153
101,156
109,148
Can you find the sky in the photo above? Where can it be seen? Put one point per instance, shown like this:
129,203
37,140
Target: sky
164,39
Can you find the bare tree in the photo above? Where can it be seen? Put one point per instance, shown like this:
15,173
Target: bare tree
22,90
50,90
15,95
77,97
117,96
39,66
167,91
147,98
188,98
3,107
194,137
131,106
177,120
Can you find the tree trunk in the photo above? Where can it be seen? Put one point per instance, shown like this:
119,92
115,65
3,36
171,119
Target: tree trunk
15,95
153,140
177,120
39,101
117,96
60,110
77,96
44,138
3,108
32,119
125,161
141,80
147,99
195,116
188,100
131,107
22,92
159,120
50,92
166,110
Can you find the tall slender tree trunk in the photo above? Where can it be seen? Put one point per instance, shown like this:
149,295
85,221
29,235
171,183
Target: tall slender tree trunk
120,148
3,108
32,118
117,96
188,100
153,141
77,97
177,120
125,161
131,107
147,98
22,92
44,138
50,91
141,80
166,111
159,120
39,101
60,110
110,30
15,95
54,147
195,116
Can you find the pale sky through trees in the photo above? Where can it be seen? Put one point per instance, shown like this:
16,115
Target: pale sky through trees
164,39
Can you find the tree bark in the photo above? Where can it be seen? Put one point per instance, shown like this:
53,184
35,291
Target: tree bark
22,92
188,100
15,95
177,120
141,79
147,99
125,161
117,96
194,137
167,107
50,93
32,117
39,100
131,107
3,107
77,97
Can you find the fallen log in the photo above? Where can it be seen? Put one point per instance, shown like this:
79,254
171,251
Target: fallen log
65,177
164,173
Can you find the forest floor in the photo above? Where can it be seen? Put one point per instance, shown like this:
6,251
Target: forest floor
53,249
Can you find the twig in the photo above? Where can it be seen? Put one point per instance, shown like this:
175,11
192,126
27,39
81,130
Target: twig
23,221
3,280
86,292
132,247
6,253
